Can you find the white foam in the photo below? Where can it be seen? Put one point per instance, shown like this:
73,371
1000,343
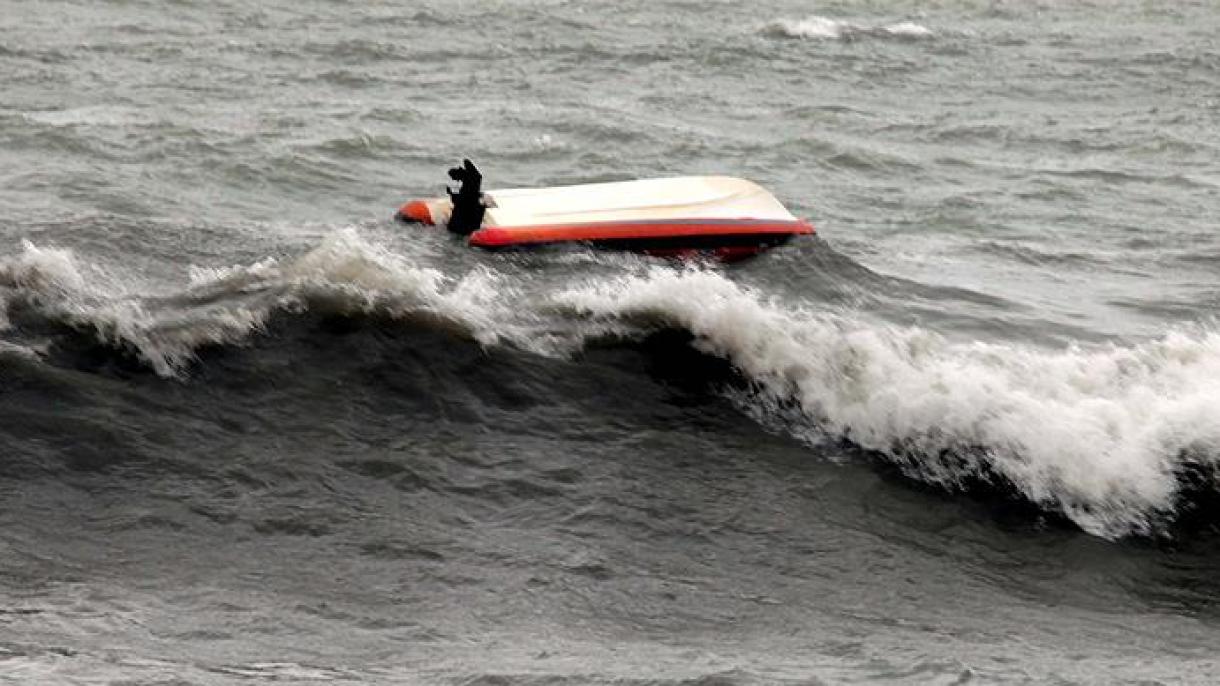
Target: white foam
825,28
908,29
38,273
548,143
222,306
1096,434
44,270
812,27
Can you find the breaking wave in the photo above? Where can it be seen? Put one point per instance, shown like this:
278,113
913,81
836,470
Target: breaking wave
344,274
1106,436
1099,435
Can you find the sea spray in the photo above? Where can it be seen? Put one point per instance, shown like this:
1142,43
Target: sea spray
48,270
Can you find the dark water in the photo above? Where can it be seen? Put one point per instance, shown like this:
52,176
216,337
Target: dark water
252,431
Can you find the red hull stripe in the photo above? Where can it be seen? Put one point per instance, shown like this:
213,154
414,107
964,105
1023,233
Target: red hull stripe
498,237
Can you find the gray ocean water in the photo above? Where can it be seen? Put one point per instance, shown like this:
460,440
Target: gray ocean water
254,431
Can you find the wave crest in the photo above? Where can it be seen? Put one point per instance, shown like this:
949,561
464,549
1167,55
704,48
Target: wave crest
1100,435
345,274
1111,437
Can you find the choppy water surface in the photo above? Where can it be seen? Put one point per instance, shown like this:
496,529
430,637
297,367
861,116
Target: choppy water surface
251,430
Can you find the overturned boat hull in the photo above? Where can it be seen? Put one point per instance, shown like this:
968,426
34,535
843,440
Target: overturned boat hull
723,217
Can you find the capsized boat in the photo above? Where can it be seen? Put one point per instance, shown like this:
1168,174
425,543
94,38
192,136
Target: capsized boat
721,216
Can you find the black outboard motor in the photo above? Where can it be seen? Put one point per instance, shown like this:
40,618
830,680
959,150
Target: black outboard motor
468,208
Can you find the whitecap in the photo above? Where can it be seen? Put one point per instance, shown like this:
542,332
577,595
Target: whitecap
825,28
1098,434
345,273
